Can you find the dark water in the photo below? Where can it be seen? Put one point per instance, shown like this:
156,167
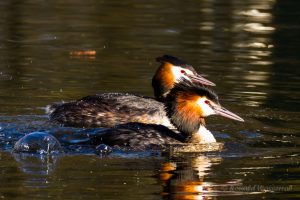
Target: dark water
250,49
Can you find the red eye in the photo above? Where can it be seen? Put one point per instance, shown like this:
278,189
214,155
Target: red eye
206,101
182,71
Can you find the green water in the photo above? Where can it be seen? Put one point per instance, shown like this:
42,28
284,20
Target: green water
250,49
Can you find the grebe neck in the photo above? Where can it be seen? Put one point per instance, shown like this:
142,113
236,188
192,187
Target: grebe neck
201,136
187,117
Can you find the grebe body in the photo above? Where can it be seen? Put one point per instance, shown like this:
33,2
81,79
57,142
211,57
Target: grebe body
110,109
186,106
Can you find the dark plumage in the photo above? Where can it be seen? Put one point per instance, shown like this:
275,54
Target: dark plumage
175,61
193,88
138,136
107,110
110,109
187,120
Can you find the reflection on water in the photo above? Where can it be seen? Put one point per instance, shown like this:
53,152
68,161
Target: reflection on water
36,167
36,164
188,181
63,50
195,176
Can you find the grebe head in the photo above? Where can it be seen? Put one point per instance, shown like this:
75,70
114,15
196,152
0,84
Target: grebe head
188,104
172,71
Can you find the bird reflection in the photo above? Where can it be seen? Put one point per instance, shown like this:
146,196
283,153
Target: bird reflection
186,180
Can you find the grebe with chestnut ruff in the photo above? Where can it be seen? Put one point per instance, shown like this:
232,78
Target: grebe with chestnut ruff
186,106
110,109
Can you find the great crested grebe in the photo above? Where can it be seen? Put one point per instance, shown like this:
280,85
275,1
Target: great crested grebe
110,109
186,106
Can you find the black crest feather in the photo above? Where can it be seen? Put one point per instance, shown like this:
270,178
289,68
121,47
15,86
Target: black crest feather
175,61
198,89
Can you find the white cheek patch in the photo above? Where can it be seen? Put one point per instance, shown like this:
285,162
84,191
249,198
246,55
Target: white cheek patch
189,72
206,109
177,73
176,70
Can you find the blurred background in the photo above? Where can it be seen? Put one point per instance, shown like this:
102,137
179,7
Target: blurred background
62,50
249,48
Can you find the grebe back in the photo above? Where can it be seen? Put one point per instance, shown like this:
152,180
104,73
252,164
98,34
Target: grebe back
110,109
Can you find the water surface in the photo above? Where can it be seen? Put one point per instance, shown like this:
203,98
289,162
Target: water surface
250,49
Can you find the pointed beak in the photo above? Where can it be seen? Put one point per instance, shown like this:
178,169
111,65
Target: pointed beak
226,113
199,79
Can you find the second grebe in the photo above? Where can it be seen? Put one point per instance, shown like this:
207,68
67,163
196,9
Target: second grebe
110,109
186,105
